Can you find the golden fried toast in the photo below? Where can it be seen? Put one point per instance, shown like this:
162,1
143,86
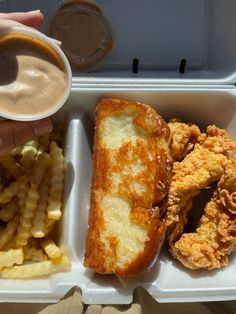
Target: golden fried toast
131,174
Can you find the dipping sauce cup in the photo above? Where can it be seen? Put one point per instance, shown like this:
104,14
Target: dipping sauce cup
35,75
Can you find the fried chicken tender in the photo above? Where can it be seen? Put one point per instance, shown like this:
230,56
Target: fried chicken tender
200,168
215,237
218,141
184,137
197,171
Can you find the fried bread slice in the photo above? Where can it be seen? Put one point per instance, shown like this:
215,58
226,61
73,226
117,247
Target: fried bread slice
131,175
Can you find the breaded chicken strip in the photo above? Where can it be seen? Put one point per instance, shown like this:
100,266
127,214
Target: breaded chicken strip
197,171
218,141
203,166
215,238
184,137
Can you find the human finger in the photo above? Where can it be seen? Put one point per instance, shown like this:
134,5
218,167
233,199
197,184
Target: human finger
14,133
5,24
32,18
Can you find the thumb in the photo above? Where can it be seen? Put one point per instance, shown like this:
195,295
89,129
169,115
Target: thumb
32,18
14,133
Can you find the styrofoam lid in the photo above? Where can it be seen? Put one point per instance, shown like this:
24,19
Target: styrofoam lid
84,31
173,42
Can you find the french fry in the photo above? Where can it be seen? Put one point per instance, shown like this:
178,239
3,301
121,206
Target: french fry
8,163
32,242
39,169
56,183
30,206
10,245
29,152
51,249
40,269
27,215
48,225
8,210
7,233
33,254
22,192
61,264
11,257
38,223
10,191
31,191
16,151
22,236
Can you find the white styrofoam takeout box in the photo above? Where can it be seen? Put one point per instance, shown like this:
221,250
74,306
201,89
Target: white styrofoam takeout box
160,34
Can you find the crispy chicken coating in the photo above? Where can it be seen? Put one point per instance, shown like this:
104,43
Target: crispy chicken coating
200,168
218,141
184,136
197,171
215,237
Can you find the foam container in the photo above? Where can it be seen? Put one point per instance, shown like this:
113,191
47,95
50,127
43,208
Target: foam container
160,34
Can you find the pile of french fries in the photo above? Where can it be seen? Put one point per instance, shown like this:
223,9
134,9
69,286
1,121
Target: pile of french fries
31,192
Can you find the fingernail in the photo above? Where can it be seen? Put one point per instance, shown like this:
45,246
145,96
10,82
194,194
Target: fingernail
42,127
34,11
58,42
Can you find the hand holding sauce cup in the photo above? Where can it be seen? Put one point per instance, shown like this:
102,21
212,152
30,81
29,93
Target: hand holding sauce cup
35,75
